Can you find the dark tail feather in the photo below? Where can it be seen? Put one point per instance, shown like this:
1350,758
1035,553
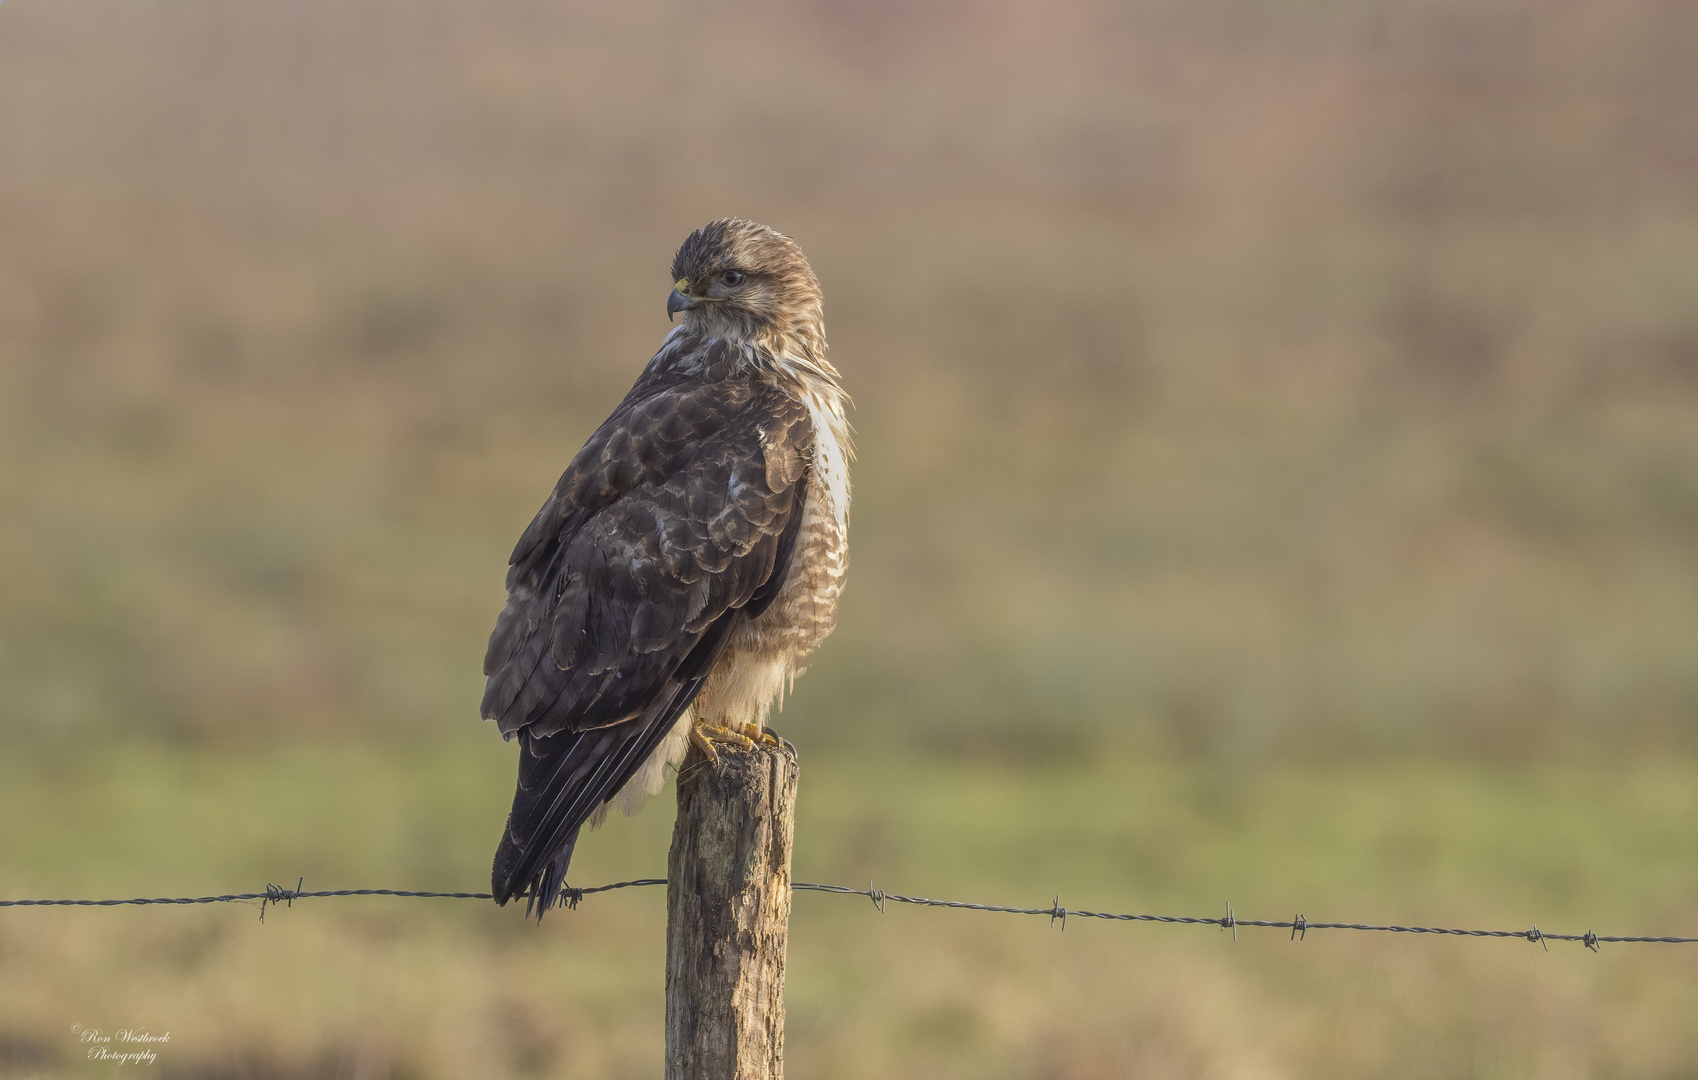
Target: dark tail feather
564,777
536,846
547,891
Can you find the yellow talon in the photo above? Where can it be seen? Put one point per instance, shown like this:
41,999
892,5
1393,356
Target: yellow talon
704,735
735,738
754,733
704,745
745,736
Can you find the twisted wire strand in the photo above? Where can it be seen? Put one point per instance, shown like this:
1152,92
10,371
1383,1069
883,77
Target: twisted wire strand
1298,925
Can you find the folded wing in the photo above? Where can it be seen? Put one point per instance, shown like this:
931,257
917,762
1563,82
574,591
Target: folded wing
675,522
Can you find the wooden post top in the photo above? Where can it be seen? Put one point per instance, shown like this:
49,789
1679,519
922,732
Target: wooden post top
728,915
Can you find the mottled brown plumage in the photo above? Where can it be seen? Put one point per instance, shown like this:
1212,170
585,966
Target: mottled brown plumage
688,560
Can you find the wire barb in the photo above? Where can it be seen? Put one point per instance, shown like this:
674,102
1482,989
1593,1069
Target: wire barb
876,896
1056,911
1299,928
276,894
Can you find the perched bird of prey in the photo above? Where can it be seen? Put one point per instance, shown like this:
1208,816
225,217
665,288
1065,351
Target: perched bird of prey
687,562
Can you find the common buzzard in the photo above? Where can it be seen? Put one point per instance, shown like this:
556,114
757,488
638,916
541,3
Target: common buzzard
687,562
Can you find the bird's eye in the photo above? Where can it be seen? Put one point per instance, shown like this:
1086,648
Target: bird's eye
732,277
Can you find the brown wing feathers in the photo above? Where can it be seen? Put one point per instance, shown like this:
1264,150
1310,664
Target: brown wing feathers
564,777
677,517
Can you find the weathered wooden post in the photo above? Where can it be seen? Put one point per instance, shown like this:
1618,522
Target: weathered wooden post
728,915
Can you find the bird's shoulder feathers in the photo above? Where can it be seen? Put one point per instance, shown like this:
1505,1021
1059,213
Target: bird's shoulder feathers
670,516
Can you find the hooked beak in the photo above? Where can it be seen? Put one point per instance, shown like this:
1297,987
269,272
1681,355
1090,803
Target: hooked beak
675,303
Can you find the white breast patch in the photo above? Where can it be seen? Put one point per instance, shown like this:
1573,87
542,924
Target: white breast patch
831,466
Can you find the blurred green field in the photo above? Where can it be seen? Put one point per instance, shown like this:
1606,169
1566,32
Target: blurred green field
1278,482
1239,379
441,988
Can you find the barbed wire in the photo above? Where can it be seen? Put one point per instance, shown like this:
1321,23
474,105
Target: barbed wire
1297,924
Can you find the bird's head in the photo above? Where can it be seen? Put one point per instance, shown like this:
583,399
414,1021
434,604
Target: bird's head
736,279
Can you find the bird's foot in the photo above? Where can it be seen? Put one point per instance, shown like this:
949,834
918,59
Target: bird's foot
705,735
764,735
736,733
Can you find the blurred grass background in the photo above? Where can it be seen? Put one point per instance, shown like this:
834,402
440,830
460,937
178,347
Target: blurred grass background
1278,481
